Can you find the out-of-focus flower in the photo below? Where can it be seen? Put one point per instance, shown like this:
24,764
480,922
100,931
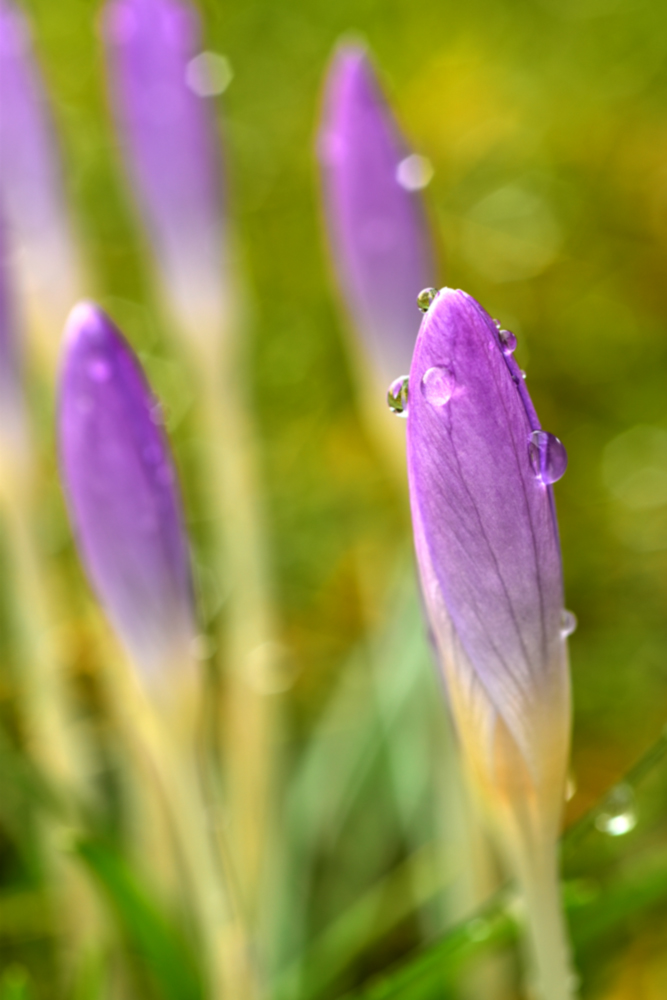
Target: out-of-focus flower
123,496
168,136
480,469
376,223
31,189
12,416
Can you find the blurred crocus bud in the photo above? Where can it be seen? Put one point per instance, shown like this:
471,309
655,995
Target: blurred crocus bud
377,228
12,415
123,496
480,469
31,188
166,125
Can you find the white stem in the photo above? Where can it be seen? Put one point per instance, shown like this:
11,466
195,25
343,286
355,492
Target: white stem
547,936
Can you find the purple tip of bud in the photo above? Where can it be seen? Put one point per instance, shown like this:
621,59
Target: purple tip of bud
167,132
376,223
122,493
484,521
30,179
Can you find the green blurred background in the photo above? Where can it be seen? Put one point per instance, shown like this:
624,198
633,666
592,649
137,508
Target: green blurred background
546,125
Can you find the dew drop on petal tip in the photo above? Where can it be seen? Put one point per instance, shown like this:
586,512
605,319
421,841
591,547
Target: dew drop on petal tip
157,414
425,298
507,340
618,815
548,457
397,396
568,623
438,385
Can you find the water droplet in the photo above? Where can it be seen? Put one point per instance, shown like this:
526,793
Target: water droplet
99,370
414,172
498,325
208,74
523,374
508,341
397,396
425,298
157,414
568,623
618,814
438,385
547,456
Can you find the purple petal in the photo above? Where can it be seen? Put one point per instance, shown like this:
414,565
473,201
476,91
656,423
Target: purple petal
122,493
168,134
31,187
485,528
377,227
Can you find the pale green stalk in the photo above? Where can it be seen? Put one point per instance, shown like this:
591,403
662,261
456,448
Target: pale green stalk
45,700
241,560
531,842
162,733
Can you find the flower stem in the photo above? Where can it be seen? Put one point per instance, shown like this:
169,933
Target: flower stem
546,935
250,647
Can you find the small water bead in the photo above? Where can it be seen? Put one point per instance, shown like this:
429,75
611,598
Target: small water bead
157,414
425,298
508,341
548,457
397,396
438,384
568,623
498,325
618,816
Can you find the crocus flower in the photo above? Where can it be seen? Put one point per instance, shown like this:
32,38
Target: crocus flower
31,188
480,469
376,223
122,494
170,147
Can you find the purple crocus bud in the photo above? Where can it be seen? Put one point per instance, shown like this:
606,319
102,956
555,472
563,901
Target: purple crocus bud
170,145
480,469
377,228
123,496
31,188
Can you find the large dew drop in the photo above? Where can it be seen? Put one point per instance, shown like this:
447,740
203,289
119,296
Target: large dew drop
397,396
547,456
425,298
438,385
508,341
568,623
618,815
